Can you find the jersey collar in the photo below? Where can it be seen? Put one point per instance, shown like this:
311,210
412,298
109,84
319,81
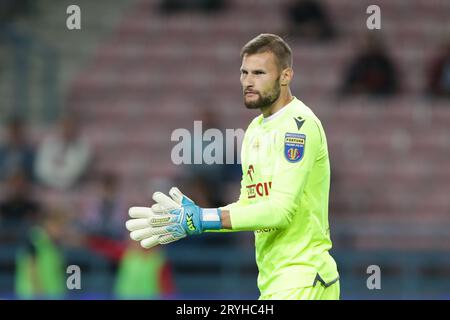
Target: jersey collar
277,115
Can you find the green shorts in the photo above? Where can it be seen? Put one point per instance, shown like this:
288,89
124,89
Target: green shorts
317,292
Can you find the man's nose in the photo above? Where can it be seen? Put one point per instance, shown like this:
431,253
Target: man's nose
248,82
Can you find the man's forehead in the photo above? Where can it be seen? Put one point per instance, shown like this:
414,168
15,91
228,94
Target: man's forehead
259,60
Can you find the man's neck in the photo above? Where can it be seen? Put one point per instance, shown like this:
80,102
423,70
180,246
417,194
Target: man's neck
277,105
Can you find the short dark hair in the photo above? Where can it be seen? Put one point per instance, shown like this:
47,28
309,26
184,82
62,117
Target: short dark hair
267,42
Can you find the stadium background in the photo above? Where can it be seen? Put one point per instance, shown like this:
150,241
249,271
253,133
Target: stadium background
134,73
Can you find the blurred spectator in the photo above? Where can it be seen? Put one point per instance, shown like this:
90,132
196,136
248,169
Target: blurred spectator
439,73
16,154
143,273
233,171
200,189
63,157
308,20
102,220
40,271
105,211
206,177
10,9
208,194
208,183
18,207
372,72
207,6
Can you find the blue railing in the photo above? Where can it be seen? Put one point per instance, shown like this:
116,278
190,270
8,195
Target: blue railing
229,273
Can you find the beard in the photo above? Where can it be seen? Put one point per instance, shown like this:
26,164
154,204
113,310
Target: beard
266,100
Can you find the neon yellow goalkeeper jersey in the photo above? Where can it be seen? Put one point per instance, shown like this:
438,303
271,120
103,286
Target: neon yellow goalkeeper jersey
284,196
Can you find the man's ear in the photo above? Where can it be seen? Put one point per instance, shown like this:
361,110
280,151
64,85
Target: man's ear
286,76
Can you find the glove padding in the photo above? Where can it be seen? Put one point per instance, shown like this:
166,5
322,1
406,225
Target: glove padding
168,220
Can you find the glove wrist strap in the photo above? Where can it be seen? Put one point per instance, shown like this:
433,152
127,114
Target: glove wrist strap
211,219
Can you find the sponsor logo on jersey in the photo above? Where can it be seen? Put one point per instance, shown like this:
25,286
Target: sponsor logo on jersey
250,171
265,230
294,146
261,189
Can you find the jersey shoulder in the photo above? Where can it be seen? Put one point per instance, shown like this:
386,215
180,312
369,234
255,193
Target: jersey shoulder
256,120
301,118
302,130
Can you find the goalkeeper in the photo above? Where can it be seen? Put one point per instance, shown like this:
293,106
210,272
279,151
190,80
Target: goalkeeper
284,187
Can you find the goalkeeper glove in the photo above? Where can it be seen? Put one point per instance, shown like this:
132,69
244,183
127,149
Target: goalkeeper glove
170,219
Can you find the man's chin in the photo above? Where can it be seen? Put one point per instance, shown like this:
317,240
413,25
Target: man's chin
251,104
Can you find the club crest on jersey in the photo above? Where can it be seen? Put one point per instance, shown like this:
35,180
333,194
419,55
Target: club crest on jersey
294,146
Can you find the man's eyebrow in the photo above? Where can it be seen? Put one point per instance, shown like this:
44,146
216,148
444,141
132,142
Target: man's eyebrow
256,70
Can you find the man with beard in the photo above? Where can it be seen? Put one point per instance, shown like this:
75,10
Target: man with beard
284,188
